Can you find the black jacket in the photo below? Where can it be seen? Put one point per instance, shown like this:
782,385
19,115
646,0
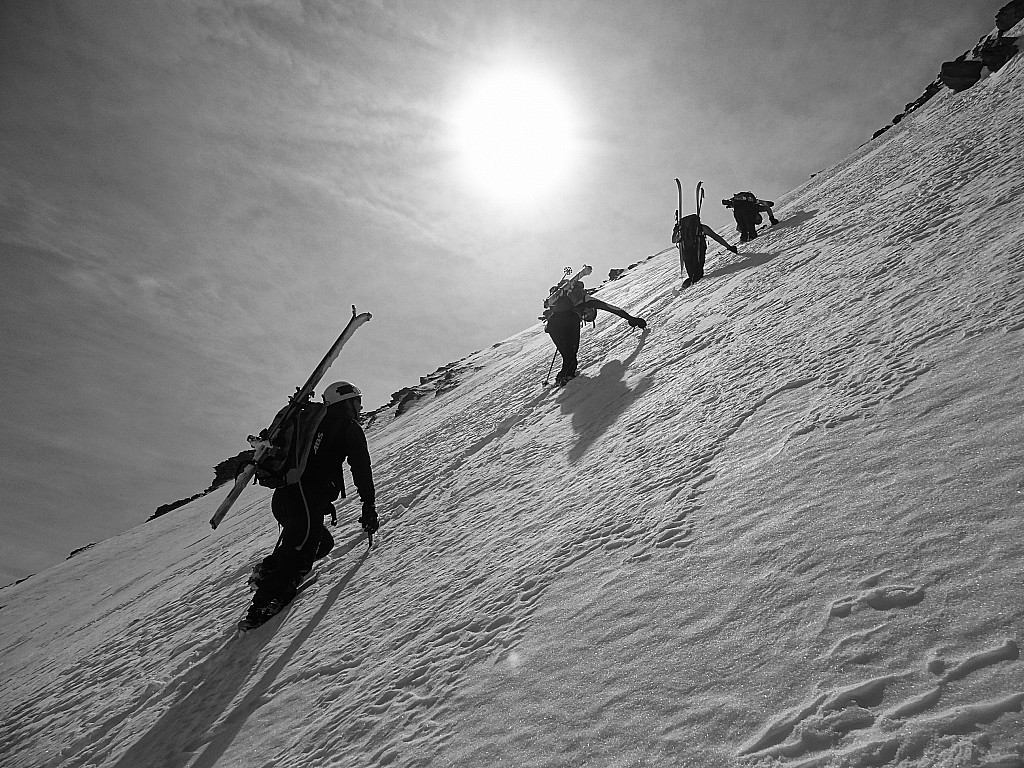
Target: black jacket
338,437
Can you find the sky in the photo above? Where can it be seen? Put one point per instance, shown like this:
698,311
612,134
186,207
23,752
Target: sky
193,195
781,527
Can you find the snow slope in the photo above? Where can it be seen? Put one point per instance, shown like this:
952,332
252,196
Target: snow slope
782,527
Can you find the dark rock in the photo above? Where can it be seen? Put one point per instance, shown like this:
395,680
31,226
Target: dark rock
80,550
1009,15
994,53
960,74
163,509
227,470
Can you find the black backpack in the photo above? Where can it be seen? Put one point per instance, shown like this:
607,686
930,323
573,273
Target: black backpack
689,236
569,295
749,198
286,460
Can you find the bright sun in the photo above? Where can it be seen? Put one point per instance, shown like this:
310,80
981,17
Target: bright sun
515,135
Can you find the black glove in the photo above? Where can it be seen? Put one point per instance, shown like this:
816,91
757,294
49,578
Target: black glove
369,518
637,322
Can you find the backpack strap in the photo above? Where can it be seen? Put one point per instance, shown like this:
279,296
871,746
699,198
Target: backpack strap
308,437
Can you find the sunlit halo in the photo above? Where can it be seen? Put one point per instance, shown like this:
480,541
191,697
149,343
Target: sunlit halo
515,135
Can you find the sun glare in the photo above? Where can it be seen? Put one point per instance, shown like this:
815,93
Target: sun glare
515,135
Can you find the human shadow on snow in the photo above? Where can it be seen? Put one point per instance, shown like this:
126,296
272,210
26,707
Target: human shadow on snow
796,219
748,260
185,728
755,259
605,399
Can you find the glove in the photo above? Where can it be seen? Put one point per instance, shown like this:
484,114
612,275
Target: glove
734,249
637,322
369,518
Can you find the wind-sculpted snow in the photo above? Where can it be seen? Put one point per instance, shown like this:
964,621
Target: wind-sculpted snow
822,727
782,527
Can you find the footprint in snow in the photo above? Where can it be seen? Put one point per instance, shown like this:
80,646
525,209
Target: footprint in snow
879,598
850,726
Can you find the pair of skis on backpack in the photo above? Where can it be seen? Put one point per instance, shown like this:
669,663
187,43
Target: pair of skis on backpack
263,445
689,236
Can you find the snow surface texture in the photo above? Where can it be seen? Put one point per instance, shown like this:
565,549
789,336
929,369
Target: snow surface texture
781,528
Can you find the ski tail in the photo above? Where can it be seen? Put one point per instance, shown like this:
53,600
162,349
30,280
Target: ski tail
699,194
236,490
295,402
679,207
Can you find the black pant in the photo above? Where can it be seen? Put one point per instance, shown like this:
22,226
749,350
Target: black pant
304,538
564,328
747,218
692,261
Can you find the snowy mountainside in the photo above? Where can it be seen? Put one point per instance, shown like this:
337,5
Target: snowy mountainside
781,527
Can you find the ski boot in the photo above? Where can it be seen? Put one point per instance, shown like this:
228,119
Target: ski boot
564,378
259,571
258,615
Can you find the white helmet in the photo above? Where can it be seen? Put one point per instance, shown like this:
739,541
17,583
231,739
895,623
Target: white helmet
341,390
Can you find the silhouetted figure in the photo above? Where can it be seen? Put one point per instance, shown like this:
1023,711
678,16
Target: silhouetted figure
300,507
747,210
566,310
691,234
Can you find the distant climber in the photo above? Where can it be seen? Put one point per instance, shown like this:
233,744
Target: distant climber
691,234
566,309
747,210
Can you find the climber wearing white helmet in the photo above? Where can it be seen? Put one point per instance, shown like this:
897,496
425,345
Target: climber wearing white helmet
301,506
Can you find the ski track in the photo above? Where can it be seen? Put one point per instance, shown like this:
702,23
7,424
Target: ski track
682,425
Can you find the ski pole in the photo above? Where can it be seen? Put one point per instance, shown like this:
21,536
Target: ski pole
550,368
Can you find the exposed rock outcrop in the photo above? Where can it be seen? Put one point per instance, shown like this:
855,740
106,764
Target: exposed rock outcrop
960,74
995,52
1010,15
991,53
